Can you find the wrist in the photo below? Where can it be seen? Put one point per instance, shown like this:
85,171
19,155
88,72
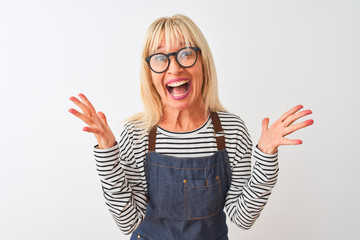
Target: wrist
98,146
267,149
106,145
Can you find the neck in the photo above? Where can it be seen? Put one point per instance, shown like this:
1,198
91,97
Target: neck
184,120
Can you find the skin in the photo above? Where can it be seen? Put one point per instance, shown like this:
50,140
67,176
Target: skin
189,113
96,121
273,137
186,114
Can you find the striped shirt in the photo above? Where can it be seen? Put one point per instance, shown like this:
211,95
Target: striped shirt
122,174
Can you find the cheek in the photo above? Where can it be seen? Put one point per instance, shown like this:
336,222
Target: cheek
157,81
198,73
199,77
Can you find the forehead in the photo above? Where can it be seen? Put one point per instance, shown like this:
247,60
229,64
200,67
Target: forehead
170,45
169,42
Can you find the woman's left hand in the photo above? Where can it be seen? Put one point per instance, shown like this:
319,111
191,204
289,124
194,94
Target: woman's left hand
273,137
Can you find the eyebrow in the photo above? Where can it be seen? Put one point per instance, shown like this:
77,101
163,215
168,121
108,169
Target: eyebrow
161,46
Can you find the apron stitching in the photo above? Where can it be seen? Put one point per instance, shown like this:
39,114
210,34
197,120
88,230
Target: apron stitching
220,202
215,191
186,203
207,188
218,183
208,216
212,166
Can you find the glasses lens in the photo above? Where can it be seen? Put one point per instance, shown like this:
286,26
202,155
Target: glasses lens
159,62
186,57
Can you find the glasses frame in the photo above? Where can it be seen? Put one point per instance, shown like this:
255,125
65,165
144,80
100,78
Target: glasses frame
196,49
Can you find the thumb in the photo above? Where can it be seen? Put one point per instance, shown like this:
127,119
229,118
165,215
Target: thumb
102,117
265,124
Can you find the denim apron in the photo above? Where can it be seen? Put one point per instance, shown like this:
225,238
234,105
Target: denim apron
186,196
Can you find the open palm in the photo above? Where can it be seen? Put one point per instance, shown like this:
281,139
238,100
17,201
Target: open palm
273,137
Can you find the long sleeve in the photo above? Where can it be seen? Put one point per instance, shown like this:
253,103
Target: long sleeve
122,185
122,173
249,192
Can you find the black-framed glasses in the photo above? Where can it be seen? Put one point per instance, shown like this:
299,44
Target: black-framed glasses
185,57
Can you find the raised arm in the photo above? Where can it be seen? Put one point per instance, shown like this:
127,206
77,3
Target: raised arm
124,194
122,185
250,191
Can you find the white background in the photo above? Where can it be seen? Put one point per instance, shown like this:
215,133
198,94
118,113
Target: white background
270,56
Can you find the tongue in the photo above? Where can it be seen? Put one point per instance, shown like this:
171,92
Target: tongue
179,90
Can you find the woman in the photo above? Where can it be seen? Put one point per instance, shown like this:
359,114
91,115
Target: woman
184,158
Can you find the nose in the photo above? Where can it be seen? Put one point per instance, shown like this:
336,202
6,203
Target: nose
174,67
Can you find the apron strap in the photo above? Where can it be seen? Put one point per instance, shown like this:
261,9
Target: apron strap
220,140
152,139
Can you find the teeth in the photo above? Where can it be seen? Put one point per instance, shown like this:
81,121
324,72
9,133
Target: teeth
176,84
178,95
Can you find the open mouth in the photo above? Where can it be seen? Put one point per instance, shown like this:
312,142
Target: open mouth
179,89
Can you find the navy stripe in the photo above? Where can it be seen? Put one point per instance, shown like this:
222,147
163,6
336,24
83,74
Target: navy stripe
125,185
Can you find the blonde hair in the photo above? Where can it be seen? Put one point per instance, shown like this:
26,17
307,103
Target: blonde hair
175,28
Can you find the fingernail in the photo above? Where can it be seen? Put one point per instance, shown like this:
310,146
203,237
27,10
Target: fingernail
310,121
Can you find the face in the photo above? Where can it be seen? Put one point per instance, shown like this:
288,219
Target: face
179,87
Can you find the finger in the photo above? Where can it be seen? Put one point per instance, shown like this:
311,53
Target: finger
81,116
286,141
292,118
298,126
87,102
102,117
265,124
81,105
91,130
290,112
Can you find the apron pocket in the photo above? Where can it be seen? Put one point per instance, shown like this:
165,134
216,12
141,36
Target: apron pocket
169,200
203,198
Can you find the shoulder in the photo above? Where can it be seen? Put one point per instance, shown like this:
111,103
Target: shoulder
234,126
231,119
132,142
133,131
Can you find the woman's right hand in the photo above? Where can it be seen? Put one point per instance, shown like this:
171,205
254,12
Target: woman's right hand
96,121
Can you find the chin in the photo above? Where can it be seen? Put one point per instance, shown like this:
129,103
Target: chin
179,106
184,105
